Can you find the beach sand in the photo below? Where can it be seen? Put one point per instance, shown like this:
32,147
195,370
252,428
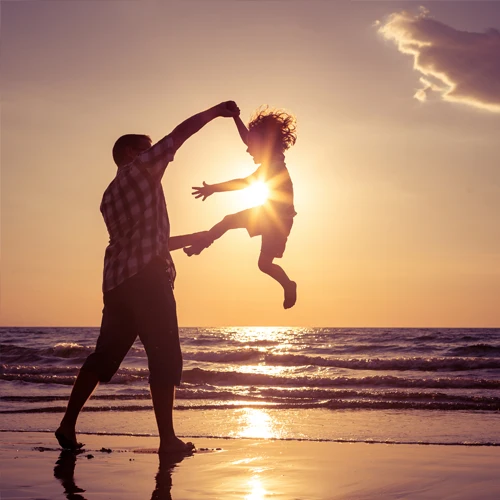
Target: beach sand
33,467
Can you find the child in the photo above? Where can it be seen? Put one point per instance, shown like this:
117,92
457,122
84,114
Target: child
270,133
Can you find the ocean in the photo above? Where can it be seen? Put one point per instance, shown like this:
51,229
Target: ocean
389,385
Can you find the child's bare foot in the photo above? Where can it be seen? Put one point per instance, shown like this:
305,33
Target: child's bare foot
290,295
198,247
67,438
175,445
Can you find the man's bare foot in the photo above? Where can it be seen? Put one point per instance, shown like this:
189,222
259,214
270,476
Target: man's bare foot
290,295
176,446
67,438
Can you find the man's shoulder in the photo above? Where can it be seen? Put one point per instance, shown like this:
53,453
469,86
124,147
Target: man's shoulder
131,181
114,187
109,188
132,172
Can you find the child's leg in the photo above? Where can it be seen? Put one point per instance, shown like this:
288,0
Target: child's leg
266,265
233,221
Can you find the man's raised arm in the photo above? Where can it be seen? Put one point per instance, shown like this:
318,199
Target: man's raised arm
156,158
189,127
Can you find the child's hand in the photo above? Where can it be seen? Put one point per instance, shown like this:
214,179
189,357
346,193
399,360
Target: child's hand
206,190
228,109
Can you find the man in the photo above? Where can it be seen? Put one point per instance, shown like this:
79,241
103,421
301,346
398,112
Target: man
138,278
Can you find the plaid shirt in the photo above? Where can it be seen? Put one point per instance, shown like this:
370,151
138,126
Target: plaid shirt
135,213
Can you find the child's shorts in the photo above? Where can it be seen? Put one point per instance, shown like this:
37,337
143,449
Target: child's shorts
271,225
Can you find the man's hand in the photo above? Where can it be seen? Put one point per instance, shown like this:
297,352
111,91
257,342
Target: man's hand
185,240
228,109
206,190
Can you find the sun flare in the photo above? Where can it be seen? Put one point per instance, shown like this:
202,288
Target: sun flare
256,194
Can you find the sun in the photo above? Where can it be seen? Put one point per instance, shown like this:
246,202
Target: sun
256,194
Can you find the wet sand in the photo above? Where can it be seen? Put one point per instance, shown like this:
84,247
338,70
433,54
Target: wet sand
123,467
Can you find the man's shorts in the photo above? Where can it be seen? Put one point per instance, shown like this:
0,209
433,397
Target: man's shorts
272,225
144,306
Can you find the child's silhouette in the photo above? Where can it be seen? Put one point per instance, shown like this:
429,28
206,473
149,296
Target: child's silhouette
270,133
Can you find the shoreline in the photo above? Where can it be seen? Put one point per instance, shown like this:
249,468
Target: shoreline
313,425
127,467
245,438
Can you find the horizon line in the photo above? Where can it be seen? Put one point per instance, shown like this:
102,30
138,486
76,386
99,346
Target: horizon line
274,326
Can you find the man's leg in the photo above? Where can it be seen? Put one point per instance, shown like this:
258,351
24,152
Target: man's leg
156,316
276,272
116,336
84,386
163,404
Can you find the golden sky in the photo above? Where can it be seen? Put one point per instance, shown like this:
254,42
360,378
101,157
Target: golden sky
396,173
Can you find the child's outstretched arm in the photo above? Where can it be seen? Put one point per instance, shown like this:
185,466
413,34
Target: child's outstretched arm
209,189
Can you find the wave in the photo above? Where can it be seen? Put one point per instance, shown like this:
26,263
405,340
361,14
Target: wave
385,364
61,350
217,341
476,350
336,404
64,375
427,337
277,395
379,394
68,350
19,354
199,376
77,353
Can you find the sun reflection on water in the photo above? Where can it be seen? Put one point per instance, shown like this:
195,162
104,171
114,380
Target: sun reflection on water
265,369
257,491
262,334
257,423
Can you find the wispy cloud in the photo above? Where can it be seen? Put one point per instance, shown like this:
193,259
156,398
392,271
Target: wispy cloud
458,66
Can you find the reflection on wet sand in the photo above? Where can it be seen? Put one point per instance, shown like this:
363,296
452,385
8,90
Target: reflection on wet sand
164,476
64,471
257,490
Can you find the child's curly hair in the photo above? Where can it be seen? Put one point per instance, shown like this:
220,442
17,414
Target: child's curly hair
277,122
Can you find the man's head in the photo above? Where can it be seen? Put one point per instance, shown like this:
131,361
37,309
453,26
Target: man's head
127,147
271,131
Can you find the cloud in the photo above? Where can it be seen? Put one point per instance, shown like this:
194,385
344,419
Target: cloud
457,66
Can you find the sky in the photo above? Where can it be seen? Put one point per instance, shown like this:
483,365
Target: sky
395,169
